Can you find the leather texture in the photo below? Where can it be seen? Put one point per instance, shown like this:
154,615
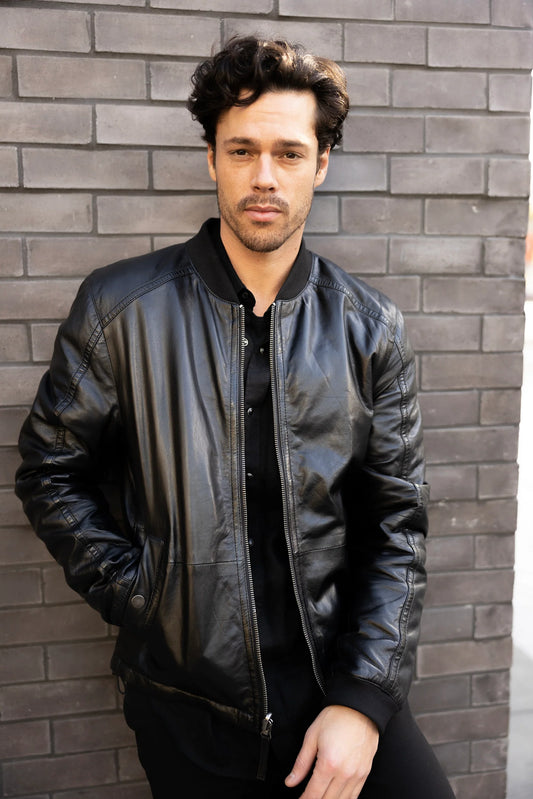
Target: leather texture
145,384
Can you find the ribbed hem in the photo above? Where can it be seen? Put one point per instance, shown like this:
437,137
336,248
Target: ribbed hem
363,696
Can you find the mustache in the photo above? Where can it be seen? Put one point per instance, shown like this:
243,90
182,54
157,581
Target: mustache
252,200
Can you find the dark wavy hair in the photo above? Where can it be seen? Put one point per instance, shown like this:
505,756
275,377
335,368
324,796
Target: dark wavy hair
256,66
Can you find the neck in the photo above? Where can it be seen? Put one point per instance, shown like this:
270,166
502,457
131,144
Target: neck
264,273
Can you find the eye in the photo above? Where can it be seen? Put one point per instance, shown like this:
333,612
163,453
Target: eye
292,156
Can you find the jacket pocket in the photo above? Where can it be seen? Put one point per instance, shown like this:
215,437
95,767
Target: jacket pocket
146,588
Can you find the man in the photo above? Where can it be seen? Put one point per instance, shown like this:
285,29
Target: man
259,409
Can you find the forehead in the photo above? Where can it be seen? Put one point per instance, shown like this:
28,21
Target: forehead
291,114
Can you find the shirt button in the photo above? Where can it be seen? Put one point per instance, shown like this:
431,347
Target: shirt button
250,411
262,350
249,475
245,342
250,542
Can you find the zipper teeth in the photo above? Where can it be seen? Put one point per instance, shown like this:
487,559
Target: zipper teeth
255,626
275,405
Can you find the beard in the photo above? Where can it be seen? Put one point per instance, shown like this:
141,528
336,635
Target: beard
263,236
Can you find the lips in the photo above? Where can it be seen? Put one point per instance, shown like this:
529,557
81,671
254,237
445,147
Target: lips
262,213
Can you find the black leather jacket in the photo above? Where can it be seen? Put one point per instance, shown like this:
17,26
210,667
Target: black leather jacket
146,382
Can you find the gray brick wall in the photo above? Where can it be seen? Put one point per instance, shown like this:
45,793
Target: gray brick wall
427,200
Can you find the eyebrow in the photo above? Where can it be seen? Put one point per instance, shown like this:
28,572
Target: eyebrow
288,143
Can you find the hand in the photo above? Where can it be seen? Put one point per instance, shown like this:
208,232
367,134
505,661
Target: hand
343,742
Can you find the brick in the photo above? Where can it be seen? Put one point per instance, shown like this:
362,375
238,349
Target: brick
463,657
503,333
453,757
475,11
69,256
14,343
170,80
6,82
92,169
355,9
508,92
69,660
404,291
376,133
158,34
472,295
447,553
423,88
181,170
448,408
389,44
473,586
10,423
237,6
498,480
489,755
495,550
21,587
324,39
504,256
477,134
11,261
55,76
451,482
18,384
21,664
512,13
445,624
367,86
444,332
42,341
493,516
359,255
9,171
356,173
51,623
56,590
428,254
107,2
440,693
491,688
414,175
480,786
9,461
146,214
69,771
488,49
36,29
129,767
45,299
324,216
493,621
509,177
463,445
160,126
91,733
45,212
61,124
457,725
374,215
59,698
24,739
479,217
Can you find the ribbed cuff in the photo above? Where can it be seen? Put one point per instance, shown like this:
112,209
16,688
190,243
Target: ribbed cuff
363,696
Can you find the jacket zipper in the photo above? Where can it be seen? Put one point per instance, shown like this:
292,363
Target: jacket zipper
286,524
268,721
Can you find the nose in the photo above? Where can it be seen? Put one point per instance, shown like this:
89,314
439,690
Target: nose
264,178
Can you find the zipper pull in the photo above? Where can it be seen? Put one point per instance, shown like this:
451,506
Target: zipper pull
266,735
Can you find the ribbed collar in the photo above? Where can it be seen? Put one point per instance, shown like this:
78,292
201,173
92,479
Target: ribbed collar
216,270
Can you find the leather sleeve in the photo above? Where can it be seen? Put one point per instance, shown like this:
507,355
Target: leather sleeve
386,500
65,441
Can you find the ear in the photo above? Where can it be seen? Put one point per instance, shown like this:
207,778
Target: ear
211,162
322,171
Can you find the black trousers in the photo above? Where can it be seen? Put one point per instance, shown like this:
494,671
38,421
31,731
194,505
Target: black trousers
404,767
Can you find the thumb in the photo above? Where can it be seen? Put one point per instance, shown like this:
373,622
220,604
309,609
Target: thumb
304,759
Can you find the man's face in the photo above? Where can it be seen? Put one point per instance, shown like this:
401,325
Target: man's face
266,168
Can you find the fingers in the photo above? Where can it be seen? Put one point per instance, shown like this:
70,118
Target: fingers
305,759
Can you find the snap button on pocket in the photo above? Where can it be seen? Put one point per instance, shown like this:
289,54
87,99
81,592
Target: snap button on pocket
138,601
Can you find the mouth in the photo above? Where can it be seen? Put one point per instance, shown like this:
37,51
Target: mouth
262,213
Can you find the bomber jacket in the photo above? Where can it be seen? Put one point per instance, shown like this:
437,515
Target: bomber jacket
145,383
